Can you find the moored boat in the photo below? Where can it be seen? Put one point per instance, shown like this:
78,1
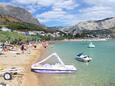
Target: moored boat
83,58
91,45
52,68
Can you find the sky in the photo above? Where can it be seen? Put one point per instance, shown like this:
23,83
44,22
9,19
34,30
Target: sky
66,12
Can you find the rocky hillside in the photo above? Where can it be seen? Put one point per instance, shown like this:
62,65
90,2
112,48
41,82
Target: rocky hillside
5,19
96,25
16,14
18,18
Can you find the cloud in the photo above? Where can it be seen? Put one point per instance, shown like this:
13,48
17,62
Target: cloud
92,12
34,2
56,14
65,4
100,2
67,12
44,3
59,11
32,9
98,9
35,5
98,12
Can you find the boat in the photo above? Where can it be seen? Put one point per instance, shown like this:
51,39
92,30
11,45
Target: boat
91,45
58,67
83,58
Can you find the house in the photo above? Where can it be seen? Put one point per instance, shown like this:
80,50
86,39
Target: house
32,33
5,29
42,33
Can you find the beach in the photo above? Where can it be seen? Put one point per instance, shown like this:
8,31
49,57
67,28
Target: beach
22,61
98,72
87,39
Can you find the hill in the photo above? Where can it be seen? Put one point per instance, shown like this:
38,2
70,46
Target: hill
18,13
18,18
99,28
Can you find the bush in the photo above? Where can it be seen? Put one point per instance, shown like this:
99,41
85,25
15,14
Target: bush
24,26
13,37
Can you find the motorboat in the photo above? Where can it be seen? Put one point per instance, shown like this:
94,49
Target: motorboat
59,67
83,58
91,45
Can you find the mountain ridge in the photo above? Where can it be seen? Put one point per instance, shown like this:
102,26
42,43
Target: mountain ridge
18,13
100,28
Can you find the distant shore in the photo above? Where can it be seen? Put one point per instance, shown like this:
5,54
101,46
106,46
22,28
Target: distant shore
88,39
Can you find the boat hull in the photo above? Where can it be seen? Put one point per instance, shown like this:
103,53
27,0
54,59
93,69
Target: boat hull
91,46
83,60
52,71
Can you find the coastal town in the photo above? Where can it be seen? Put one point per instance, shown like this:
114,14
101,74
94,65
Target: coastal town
57,43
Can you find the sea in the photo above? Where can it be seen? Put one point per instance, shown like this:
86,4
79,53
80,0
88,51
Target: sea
99,72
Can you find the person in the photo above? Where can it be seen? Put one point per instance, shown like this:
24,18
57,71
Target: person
45,44
35,46
5,48
22,48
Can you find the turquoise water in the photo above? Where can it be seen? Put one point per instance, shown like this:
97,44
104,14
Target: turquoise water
99,72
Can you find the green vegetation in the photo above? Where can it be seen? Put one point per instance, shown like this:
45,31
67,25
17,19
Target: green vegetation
24,26
16,24
14,37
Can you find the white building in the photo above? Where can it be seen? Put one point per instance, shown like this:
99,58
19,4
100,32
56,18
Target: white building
5,29
32,33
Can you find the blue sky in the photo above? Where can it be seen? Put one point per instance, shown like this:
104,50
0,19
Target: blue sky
66,12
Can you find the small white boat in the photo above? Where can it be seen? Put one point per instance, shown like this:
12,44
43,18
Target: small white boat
91,45
52,68
83,58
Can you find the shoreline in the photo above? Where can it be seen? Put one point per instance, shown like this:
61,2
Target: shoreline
30,78
88,39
